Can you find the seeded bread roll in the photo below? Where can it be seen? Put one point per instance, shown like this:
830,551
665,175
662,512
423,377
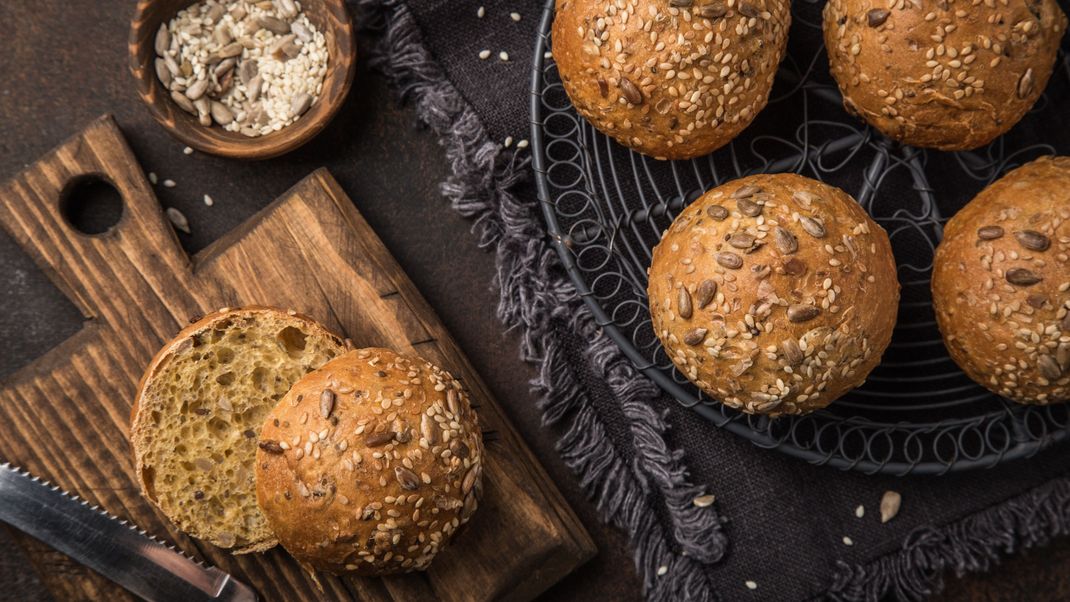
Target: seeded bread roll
952,74
674,79
370,464
199,409
774,294
1001,284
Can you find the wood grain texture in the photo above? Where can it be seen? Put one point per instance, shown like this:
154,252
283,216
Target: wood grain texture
64,417
329,16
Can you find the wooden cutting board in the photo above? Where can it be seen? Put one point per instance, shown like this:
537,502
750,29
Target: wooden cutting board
65,416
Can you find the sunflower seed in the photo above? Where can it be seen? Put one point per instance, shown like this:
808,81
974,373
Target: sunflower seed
717,212
704,501
603,87
786,242
729,260
1065,326
301,32
1063,356
197,89
877,16
890,502
802,313
287,8
794,267
695,336
183,103
233,49
1033,240
408,479
163,40
746,192
220,113
1022,277
215,13
379,439
793,355
469,479
252,89
680,3
630,91
749,10
162,72
707,290
274,25
1049,368
327,403
429,429
224,68
1037,300
178,219
459,448
748,207
741,240
1025,84
990,232
223,36
247,70
271,447
683,303
453,402
813,226
714,10
301,103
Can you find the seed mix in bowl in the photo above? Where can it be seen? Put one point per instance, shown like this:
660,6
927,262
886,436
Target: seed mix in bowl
250,67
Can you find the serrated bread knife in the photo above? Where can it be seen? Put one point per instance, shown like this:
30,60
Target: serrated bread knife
114,548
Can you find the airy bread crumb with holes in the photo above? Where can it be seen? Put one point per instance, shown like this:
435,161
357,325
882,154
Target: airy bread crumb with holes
198,414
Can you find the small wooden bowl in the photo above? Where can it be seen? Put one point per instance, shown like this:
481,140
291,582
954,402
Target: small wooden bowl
329,16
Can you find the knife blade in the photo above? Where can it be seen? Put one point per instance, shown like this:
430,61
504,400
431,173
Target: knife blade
112,547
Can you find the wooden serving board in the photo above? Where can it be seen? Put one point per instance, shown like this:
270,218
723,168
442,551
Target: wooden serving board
65,416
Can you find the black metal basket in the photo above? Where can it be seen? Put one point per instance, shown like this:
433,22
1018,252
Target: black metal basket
606,207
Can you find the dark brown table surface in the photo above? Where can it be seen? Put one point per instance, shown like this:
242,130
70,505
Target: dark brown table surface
63,63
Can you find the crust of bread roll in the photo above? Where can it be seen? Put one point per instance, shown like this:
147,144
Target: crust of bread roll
242,530
775,294
673,80
370,464
1001,284
951,75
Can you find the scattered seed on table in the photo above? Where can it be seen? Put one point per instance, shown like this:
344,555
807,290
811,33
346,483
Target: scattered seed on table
704,501
890,503
178,219
752,585
503,55
522,144
508,141
847,541
484,54
152,177
187,151
860,511
514,16
482,11
208,200
169,183
662,570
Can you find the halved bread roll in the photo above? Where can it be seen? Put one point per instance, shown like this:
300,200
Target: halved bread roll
198,413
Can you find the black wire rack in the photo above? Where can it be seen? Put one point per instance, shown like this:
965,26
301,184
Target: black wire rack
606,207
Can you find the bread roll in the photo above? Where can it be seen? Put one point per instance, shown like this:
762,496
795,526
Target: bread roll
774,294
674,79
1001,284
199,410
951,75
370,464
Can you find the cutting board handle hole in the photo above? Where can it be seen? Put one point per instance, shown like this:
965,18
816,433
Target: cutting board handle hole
91,204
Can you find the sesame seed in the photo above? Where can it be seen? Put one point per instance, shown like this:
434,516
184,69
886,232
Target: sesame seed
751,585
514,16
860,511
482,11
522,144
187,151
662,570
508,141
484,54
169,183
153,178
504,56
847,541
208,200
